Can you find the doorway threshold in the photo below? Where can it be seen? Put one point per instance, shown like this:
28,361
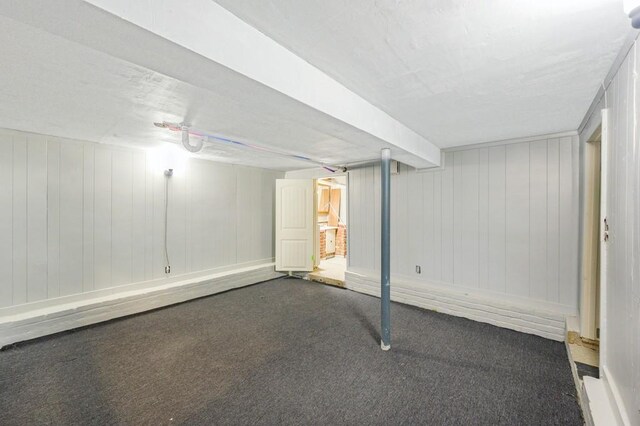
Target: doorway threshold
330,271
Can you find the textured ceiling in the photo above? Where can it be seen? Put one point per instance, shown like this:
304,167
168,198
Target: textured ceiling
456,71
55,86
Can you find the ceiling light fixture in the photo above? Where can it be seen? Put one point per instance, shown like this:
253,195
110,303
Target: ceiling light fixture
165,157
632,8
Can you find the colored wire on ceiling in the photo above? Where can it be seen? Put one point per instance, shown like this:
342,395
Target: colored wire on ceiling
210,137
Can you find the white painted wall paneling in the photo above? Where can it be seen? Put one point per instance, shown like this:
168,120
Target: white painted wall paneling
498,219
78,217
620,329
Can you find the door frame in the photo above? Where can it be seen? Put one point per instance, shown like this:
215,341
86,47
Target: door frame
346,207
318,174
604,179
591,240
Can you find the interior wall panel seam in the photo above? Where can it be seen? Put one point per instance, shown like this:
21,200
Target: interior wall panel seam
46,286
131,218
529,221
10,185
505,234
27,220
479,213
82,273
111,222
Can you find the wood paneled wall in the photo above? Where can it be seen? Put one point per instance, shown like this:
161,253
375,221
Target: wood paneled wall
620,329
496,219
77,216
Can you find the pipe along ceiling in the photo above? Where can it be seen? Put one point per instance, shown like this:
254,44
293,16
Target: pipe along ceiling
202,137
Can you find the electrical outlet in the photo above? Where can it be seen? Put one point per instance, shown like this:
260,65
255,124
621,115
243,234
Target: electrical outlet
418,269
167,269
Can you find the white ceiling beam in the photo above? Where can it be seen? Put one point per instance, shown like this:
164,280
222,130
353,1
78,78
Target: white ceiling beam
211,31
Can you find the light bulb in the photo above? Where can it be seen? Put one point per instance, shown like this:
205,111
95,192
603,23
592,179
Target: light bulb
167,157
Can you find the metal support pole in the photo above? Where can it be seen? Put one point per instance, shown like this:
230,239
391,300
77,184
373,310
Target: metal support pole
385,261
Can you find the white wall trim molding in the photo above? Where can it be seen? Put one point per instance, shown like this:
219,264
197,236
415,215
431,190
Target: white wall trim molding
512,141
542,319
127,301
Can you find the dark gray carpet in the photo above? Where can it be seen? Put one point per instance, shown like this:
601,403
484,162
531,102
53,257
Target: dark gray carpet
587,370
287,352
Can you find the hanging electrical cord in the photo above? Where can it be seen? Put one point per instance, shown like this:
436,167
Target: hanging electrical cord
205,137
167,174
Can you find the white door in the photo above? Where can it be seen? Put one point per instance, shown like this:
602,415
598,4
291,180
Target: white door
295,224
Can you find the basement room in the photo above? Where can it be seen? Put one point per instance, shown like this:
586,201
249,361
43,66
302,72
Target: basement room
264,212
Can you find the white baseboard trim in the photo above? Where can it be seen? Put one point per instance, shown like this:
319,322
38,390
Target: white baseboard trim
580,388
88,295
545,322
66,316
600,405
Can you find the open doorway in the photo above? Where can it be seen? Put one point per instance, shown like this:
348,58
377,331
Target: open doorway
590,292
585,347
331,233
590,299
